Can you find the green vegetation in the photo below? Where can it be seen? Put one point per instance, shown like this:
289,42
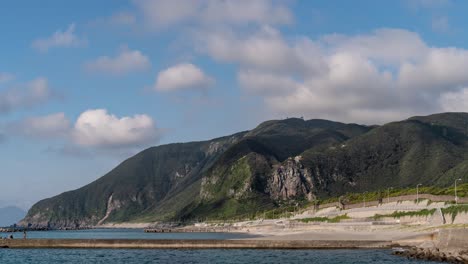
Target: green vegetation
455,210
335,219
399,214
352,198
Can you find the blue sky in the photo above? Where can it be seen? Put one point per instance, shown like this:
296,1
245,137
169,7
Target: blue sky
85,84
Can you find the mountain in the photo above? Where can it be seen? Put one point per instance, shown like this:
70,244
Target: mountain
10,215
280,162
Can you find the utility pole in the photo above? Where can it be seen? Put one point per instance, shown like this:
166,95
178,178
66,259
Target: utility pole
456,197
388,194
417,193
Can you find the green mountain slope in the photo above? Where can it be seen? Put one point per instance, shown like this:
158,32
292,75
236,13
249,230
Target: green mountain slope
241,181
400,154
281,162
149,183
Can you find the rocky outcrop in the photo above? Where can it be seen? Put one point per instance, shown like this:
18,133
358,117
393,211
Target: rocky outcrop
435,254
450,245
39,221
290,180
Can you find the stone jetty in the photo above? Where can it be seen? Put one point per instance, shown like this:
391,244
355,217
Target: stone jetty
21,229
191,244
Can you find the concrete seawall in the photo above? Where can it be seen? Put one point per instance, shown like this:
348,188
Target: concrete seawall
191,244
450,239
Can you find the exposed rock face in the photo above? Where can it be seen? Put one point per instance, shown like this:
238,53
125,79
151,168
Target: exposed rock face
290,180
111,206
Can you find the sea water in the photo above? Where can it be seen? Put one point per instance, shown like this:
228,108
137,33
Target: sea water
116,256
130,256
123,234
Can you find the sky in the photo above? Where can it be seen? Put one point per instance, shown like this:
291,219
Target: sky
86,84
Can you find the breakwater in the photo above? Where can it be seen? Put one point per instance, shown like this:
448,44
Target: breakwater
192,244
21,229
191,229
450,245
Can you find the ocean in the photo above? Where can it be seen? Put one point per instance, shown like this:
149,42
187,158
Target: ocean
123,234
116,256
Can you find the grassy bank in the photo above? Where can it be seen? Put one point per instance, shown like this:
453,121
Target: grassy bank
335,219
398,214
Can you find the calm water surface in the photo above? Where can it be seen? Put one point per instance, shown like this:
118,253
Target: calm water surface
125,234
116,256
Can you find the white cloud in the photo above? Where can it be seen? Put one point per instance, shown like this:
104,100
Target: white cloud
390,46
264,82
246,11
49,126
27,95
6,77
165,13
125,62
60,38
371,78
455,101
94,129
182,76
97,128
265,49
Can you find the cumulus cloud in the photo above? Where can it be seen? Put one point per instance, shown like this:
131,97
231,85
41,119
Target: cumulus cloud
376,77
94,129
455,101
387,45
30,94
125,62
264,82
265,49
6,77
42,127
60,38
165,13
98,128
182,76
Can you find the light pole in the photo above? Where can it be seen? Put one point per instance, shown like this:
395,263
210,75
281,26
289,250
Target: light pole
456,197
417,193
388,194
